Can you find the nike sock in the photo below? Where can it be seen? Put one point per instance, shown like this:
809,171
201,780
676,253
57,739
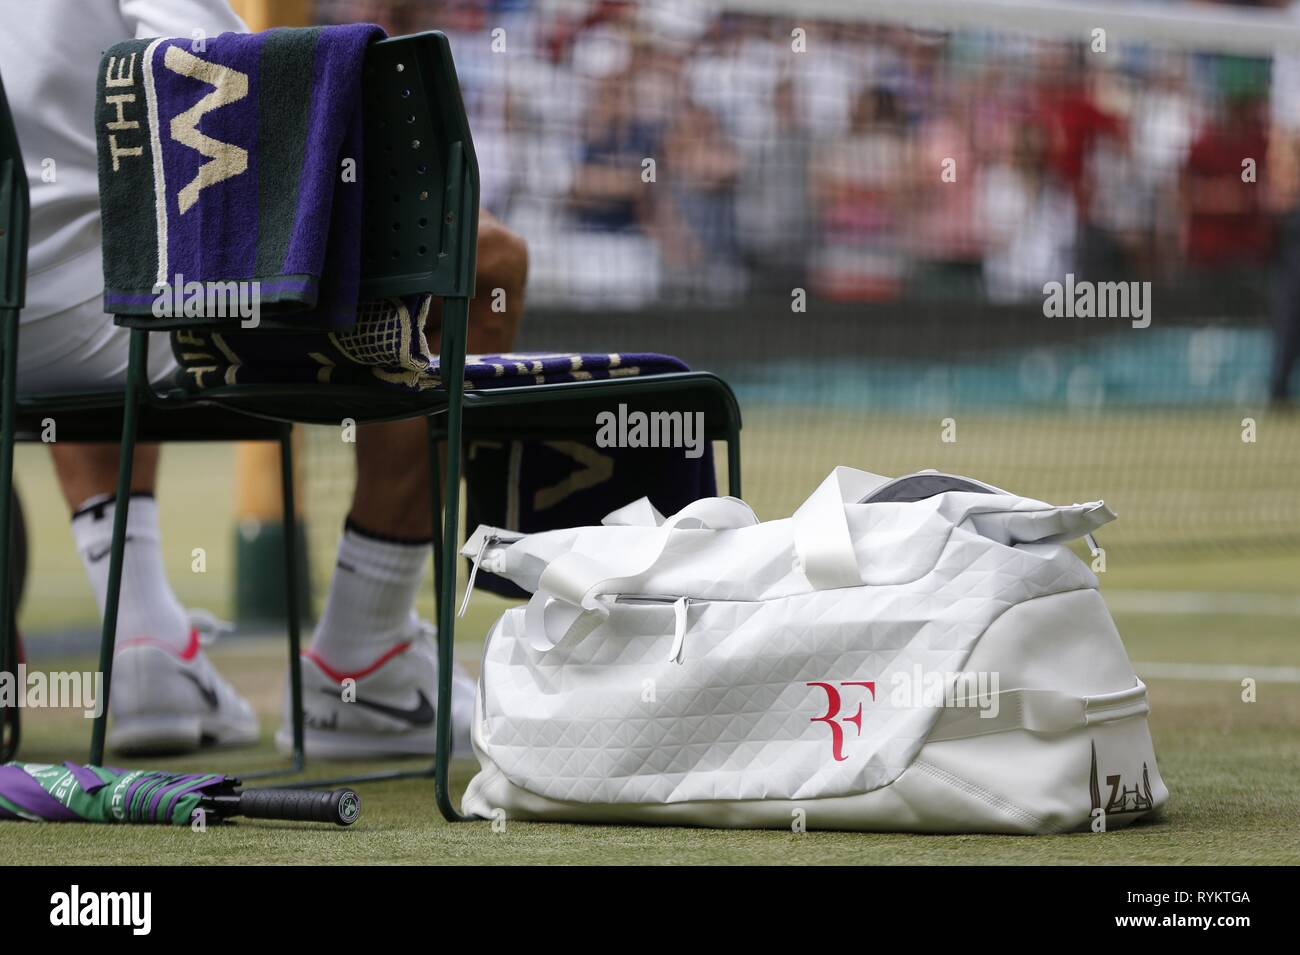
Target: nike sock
371,598
147,607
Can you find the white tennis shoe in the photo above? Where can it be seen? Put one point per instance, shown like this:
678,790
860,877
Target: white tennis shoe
386,709
165,700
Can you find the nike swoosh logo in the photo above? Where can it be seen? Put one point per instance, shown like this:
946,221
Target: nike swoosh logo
95,556
422,714
208,693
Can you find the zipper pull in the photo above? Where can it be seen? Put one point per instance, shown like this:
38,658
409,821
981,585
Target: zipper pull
680,607
473,572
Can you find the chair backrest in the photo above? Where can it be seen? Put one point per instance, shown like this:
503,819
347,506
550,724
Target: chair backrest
420,227
13,213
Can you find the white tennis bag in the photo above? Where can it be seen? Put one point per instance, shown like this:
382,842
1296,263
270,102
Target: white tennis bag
920,654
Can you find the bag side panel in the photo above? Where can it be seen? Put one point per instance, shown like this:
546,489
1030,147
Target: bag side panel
1065,642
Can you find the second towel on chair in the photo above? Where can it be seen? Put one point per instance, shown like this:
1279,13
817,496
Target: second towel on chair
220,162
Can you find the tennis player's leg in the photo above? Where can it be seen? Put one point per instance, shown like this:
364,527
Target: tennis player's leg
369,632
166,696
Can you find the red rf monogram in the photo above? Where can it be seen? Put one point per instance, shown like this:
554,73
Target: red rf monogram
832,714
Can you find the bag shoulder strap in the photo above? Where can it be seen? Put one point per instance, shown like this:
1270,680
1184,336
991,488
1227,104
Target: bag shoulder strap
579,578
821,529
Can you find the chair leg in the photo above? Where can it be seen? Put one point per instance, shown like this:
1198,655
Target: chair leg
291,572
436,440
136,370
454,319
446,508
9,718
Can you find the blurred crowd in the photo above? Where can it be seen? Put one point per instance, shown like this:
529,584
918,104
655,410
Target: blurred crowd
660,152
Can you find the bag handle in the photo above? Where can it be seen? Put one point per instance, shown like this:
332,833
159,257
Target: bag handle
822,542
1039,711
577,581
824,547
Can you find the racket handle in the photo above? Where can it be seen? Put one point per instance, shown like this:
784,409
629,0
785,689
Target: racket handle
342,806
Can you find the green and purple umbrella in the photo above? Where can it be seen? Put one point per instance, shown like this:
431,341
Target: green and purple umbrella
68,792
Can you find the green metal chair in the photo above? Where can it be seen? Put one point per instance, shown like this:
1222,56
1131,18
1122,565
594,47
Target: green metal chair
413,106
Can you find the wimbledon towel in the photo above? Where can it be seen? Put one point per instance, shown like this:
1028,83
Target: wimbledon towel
387,348
221,162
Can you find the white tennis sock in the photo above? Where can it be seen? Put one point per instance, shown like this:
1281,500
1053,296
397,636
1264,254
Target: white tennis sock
147,607
371,599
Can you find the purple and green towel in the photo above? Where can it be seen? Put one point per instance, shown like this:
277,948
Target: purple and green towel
223,164
68,792
386,348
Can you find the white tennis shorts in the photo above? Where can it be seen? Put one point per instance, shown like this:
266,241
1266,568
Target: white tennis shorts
80,349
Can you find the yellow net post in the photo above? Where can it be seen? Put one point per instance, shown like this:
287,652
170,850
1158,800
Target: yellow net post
259,538
264,14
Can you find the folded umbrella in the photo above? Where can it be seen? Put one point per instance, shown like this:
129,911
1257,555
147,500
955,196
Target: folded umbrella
68,792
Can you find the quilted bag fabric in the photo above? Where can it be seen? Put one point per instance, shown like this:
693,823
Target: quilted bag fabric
920,654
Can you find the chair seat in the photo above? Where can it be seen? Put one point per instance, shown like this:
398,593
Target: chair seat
307,403
563,408
95,417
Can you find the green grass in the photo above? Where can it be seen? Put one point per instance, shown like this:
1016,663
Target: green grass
1232,768
1233,771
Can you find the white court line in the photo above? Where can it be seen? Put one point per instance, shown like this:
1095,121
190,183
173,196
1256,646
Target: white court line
1202,602
1216,672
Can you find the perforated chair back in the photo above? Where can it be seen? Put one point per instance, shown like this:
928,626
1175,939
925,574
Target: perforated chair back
420,225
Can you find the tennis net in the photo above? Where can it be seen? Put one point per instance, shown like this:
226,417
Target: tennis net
1037,243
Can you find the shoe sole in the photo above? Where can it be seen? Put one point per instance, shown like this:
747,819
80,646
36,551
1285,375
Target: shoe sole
322,745
155,735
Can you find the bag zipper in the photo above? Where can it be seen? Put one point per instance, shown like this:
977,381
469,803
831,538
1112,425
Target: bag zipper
479,558
681,609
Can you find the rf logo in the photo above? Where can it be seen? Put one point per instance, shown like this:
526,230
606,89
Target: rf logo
832,718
